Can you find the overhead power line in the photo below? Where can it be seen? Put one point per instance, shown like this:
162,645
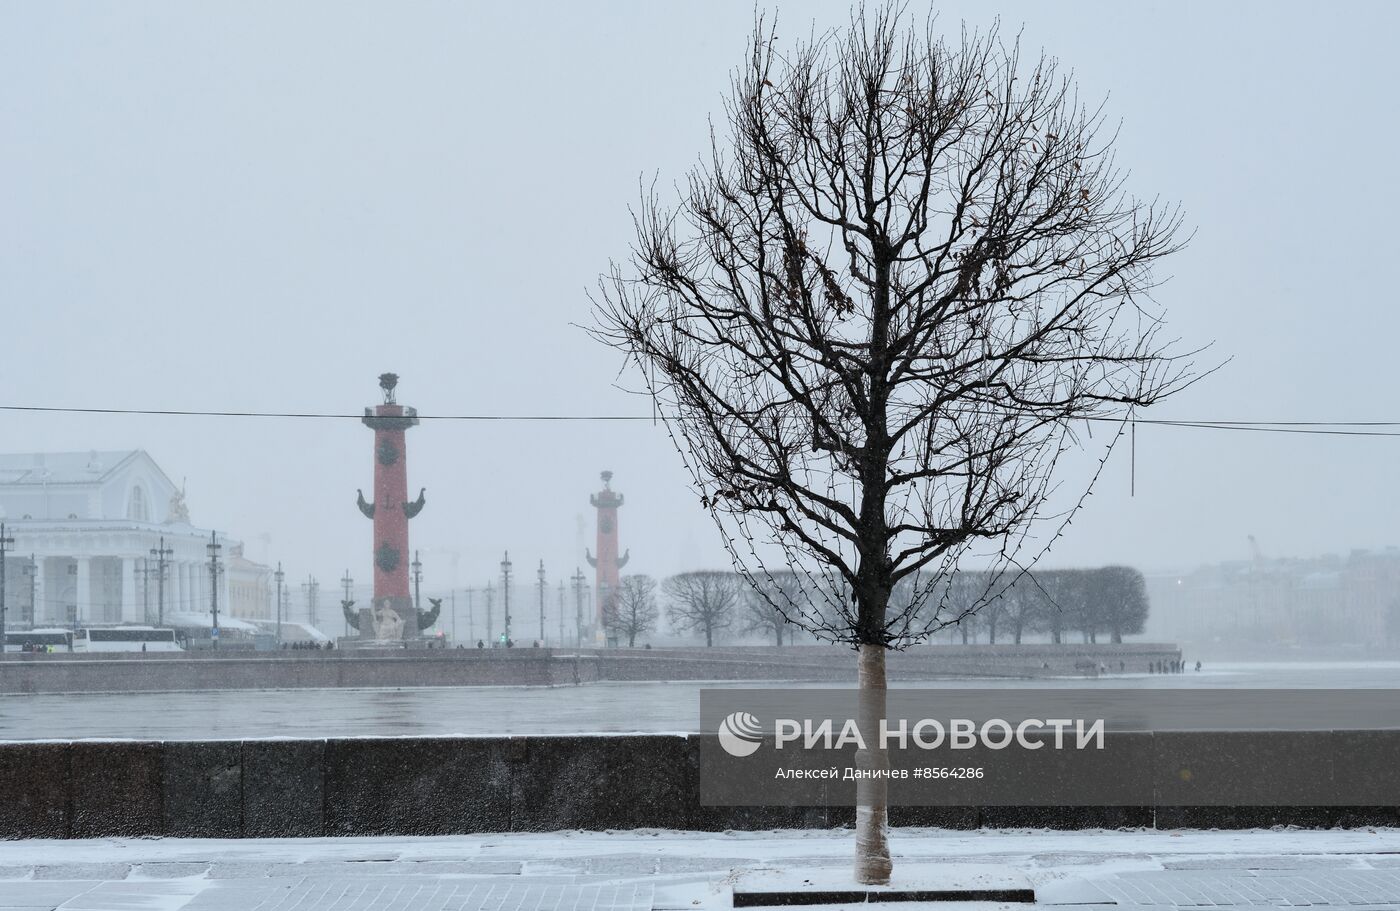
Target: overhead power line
170,412
1328,428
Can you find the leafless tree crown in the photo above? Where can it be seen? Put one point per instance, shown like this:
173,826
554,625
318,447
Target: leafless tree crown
630,610
892,294
703,601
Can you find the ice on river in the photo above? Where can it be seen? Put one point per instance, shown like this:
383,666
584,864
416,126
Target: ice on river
479,711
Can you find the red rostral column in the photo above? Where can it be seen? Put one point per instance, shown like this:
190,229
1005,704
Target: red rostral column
394,615
607,562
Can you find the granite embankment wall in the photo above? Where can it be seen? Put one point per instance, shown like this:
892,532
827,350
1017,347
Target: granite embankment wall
434,786
209,670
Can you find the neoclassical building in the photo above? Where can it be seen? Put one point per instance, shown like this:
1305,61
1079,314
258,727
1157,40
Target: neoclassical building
85,526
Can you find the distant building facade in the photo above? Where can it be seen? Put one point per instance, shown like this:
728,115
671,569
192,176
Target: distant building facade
1330,600
249,586
85,526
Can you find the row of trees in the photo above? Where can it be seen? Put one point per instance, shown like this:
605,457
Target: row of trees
1110,601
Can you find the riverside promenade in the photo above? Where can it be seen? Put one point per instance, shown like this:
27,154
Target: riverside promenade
525,666
668,871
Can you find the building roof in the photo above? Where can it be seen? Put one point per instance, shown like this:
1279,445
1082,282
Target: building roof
292,630
91,467
202,620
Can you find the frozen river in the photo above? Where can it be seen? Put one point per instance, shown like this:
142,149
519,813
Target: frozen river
441,711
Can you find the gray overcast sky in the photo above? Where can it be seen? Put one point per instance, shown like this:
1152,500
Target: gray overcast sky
264,205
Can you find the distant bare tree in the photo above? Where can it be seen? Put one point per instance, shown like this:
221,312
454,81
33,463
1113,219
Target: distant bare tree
631,608
1123,592
990,616
1060,606
1083,601
703,601
761,611
1024,603
894,293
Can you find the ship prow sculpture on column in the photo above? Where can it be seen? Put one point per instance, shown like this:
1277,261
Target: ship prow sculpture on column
392,617
608,563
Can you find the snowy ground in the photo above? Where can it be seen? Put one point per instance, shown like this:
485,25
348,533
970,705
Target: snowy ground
679,870
447,711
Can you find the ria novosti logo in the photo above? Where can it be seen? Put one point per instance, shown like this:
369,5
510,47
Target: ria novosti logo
740,734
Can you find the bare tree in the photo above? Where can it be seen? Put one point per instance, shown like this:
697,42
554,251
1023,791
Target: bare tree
1060,606
762,614
893,294
1083,603
1024,603
703,601
631,608
990,616
1123,591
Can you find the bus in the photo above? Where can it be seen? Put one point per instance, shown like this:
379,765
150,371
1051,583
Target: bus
124,639
60,640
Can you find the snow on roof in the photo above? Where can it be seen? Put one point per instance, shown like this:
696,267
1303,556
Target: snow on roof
292,630
201,620
61,467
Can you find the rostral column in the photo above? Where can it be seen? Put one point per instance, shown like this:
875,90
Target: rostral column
607,563
394,616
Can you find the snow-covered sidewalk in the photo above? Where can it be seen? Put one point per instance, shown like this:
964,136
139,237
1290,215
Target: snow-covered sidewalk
647,870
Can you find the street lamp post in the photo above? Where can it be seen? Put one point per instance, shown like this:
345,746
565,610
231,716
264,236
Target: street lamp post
417,581
505,592
541,583
145,572
312,590
5,544
348,584
162,554
579,580
214,569
278,577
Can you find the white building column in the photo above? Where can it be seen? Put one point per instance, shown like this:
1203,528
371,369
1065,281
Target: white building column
224,603
82,596
131,605
182,597
160,589
201,577
41,604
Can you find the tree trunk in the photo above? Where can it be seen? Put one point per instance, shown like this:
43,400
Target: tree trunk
872,794
778,630
709,637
